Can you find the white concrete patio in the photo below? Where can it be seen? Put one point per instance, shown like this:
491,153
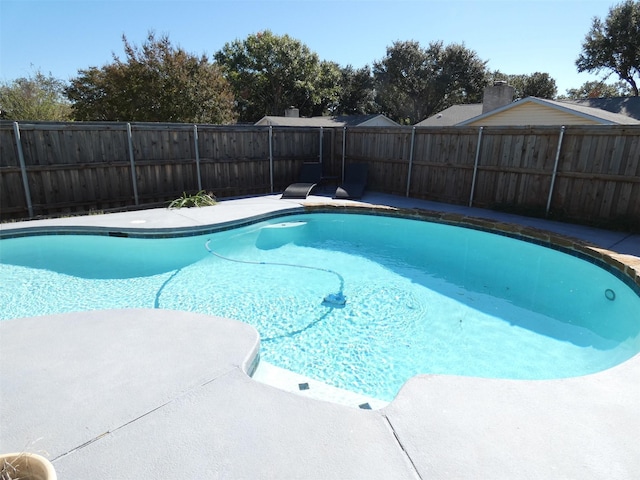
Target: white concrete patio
164,394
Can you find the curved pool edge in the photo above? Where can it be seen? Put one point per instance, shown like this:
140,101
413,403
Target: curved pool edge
436,426
203,220
626,265
155,223
579,427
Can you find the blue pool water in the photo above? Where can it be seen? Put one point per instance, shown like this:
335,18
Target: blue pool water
420,297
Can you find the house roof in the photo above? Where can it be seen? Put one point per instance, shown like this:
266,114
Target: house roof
597,115
452,115
326,121
629,106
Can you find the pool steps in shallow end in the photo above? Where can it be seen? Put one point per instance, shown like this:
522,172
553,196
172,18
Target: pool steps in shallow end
307,387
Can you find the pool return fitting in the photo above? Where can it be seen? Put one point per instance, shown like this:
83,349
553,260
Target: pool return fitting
331,300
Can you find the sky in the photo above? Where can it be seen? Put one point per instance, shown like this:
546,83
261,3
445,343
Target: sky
60,37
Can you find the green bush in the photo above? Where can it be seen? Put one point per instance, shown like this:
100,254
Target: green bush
200,199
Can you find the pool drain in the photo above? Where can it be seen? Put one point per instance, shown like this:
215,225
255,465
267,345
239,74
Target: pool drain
610,294
331,300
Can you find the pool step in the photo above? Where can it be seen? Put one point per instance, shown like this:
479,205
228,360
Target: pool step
308,387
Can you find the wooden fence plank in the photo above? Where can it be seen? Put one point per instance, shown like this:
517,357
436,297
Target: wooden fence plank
84,165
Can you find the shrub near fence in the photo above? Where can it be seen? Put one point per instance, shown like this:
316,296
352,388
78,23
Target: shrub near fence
582,173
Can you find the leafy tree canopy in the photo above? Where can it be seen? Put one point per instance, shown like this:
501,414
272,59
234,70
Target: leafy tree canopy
356,93
155,83
269,73
412,82
599,89
37,97
537,84
326,89
614,44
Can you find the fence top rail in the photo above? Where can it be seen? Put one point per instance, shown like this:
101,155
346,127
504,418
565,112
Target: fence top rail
24,126
500,130
401,129
576,129
122,126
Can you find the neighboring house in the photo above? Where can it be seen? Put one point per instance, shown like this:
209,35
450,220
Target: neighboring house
494,96
452,115
539,111
292,119
498,109
629,106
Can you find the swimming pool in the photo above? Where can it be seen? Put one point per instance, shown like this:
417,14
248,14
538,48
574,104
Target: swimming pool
421,297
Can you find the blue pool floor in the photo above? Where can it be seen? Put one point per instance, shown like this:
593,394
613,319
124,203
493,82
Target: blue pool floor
171,397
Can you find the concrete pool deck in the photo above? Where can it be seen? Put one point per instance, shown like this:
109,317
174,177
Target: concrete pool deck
156,393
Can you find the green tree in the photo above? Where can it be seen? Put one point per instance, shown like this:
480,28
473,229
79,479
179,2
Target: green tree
614,44
412,83
537,84
326,89
356,94
155,83
599,89
37,97
269,73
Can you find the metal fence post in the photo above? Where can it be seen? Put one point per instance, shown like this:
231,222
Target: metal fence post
555,169
197,152
271,157
23,168
475,167
321,137
134,178
344,150
413,137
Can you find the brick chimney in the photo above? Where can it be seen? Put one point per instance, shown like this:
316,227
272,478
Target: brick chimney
497,95
292,112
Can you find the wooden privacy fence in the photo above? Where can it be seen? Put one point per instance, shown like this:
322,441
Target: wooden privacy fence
583,173
57,168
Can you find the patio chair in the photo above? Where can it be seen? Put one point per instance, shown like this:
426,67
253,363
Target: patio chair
355,181
310,176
